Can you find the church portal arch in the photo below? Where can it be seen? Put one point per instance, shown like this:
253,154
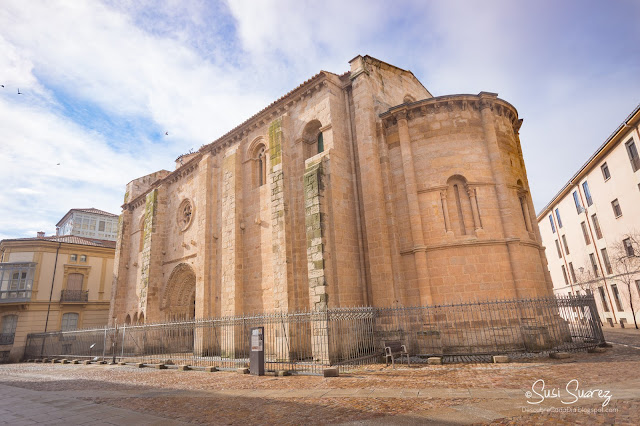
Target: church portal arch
180,294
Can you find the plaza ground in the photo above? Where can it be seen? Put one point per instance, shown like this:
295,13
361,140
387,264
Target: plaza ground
440,394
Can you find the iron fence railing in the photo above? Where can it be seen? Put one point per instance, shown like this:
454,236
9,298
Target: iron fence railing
74,295
308,341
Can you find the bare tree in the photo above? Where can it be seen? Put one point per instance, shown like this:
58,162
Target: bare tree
625,263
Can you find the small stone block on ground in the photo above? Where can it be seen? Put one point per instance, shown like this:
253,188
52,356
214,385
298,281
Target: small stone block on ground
597,350
64,361
184,368
210,369
54,361
86,362
282,373
102,362
122,363
434,360
559,355
499,359
160,366
138,365
331,372
75,361
243,370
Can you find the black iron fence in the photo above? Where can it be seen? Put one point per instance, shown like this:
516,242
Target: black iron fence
308,341
74,295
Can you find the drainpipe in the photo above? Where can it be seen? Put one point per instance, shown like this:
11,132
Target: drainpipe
53,278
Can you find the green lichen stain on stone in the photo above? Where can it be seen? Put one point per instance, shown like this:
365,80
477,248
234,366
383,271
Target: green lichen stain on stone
126,196
150,208
275,142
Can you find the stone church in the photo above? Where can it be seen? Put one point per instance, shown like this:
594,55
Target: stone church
360,189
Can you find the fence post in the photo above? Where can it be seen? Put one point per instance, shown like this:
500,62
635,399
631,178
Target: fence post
104,343
124,331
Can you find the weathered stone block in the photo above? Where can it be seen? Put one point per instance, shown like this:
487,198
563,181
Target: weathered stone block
184,368
499,359
211,369
331,372
434,360
160,366
243,370
559,355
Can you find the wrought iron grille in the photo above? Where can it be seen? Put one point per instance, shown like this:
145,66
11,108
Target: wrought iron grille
74,296
308,341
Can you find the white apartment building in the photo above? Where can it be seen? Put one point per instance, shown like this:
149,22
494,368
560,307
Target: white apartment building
89,223
591,228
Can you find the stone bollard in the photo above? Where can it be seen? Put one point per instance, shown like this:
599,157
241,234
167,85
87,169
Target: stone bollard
211,369
45,359
500,359
160,366
184,368
282,373
54,361
243,370
86,362
75,361
559,355
434,360
331,372
138,365
64,361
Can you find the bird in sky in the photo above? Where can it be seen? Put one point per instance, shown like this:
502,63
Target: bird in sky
166,133
19,91
1,85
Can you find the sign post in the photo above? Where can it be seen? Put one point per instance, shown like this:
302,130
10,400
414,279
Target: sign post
256,356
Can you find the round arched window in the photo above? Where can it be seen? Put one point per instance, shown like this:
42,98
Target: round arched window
185,214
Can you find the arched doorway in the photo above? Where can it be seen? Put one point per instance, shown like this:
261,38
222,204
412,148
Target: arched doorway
180,294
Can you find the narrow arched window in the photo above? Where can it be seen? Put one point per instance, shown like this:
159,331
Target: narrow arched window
459,208
262,167
320,143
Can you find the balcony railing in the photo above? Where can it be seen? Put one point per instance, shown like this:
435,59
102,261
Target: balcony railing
74,296
6,339
12,296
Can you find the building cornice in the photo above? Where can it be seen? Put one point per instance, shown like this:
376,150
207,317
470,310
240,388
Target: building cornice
616,137
450,103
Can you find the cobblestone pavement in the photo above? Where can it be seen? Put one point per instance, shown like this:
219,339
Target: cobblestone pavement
438,394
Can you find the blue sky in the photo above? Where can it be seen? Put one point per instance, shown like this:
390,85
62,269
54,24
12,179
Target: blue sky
102,82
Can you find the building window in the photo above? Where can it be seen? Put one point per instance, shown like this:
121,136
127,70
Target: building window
605,171
628,247
587,193
558,248
633,155
9,323
566,246
73,258
320,143
617,211
558,217
83,258
572,272
603,296
553,227
596,225
607,262
185,214
69,322
16,280
564,275
594,265
262,167
585,233
577,201
101,226
616,297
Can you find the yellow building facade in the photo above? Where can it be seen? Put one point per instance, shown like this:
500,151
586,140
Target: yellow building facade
51,284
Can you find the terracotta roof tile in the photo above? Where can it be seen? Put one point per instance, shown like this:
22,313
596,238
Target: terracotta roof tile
71,239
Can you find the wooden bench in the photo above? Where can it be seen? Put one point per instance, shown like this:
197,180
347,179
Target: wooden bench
392,349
